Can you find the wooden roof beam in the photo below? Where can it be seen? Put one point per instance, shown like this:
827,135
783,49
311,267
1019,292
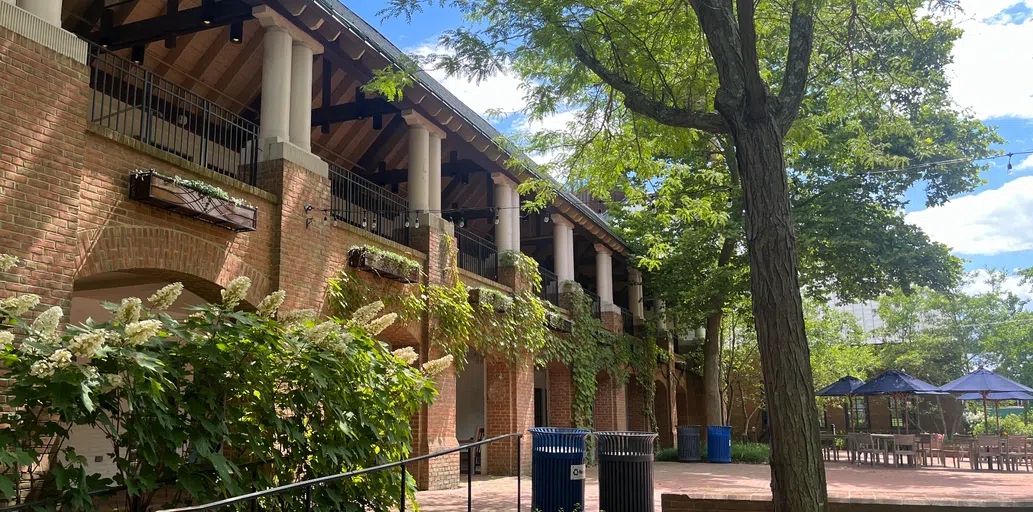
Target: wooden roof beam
178,23
361,108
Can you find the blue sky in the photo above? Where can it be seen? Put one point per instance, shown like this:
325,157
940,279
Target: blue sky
992,75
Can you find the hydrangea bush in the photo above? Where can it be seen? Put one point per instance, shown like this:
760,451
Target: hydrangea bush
216,404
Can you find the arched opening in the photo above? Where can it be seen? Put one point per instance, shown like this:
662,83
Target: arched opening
470,410
636,397
681,403
87,296
662,409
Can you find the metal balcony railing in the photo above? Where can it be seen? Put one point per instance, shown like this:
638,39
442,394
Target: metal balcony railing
628,321
596,304
362,203
477,255
136,102
550,286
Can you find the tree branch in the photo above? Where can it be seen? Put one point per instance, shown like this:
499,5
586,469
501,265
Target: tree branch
641,103
756,91
798,61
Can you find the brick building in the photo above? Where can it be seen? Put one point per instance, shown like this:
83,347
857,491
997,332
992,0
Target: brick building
261,99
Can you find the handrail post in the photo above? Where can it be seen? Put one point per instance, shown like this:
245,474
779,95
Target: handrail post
308,498
519,470
401,507
469,479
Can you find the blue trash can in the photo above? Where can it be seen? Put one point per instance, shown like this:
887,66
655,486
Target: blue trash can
557,469
719,444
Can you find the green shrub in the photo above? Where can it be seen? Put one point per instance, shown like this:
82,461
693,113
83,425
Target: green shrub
751,453
1012,424
666,455
193,401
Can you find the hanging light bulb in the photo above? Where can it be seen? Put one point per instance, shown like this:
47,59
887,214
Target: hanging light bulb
496,220
462,222
546,219
325,220
373,225
407,221
417,221
363,220
1010,171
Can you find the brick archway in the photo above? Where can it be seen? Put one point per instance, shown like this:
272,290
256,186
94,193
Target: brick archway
662,410
203,266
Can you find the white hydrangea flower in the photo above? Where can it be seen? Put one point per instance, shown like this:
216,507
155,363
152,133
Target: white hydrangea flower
88,343
114,380
435,367
90,372
271,303
363,315
27,349
319,333
406,354
297,316
139,332
43,369
18,305
6,337
165,297
61,358
129,311
235,291
7,262
340,345
377,326
46,322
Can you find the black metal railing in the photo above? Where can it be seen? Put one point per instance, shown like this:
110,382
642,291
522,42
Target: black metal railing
307,486
136,102
628,321
597,304
477,255
364,204
550,286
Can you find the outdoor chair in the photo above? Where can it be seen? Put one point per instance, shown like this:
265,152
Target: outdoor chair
960,449
464,462
904,445
1017,452
865,451
932,449
828,447
988,448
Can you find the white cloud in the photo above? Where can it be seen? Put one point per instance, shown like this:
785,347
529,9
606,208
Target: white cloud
990,73
557,121
991,222
498,92
1026,163
979,283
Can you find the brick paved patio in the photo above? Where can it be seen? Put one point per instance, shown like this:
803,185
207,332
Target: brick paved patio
742,480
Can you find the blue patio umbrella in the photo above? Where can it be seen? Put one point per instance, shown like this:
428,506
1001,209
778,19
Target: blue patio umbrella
984,382
843,387
897,384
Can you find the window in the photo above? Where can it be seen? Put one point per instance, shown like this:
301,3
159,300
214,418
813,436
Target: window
859,412
900,412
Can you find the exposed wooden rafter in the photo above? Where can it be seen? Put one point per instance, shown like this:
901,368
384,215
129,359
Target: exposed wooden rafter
178,23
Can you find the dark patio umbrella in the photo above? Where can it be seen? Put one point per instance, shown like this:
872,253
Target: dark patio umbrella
843,387
898,385
984,382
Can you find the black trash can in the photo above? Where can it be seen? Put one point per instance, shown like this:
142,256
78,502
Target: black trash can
689,443
625,471
557,469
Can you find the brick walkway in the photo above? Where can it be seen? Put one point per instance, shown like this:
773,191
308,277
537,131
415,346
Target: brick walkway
743,480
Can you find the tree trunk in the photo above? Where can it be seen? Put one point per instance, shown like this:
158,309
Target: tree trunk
797,469
713,412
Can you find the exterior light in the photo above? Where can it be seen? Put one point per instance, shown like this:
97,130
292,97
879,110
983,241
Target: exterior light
138,53
237,32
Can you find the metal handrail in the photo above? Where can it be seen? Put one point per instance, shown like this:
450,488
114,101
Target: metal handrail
309,484
596,304
550,286
476,254
138,103
627,321
362,203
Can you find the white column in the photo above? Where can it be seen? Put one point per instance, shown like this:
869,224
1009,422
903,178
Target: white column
435,171
563,248
504,210
419,181
301,96
635,293
515,202
46,10
276,85
603,274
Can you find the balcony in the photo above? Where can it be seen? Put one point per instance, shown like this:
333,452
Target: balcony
550,287
135,102
364,204
596,304
628,321
477,255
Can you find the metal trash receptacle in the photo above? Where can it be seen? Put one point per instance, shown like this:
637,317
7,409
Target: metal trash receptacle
625,471
689,446
719,444
557,469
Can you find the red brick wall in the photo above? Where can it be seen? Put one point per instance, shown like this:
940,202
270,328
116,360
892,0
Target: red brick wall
637,419
42,139
560,395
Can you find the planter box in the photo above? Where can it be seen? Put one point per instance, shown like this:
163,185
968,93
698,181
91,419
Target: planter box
559,323
364,259
480,297
154,189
